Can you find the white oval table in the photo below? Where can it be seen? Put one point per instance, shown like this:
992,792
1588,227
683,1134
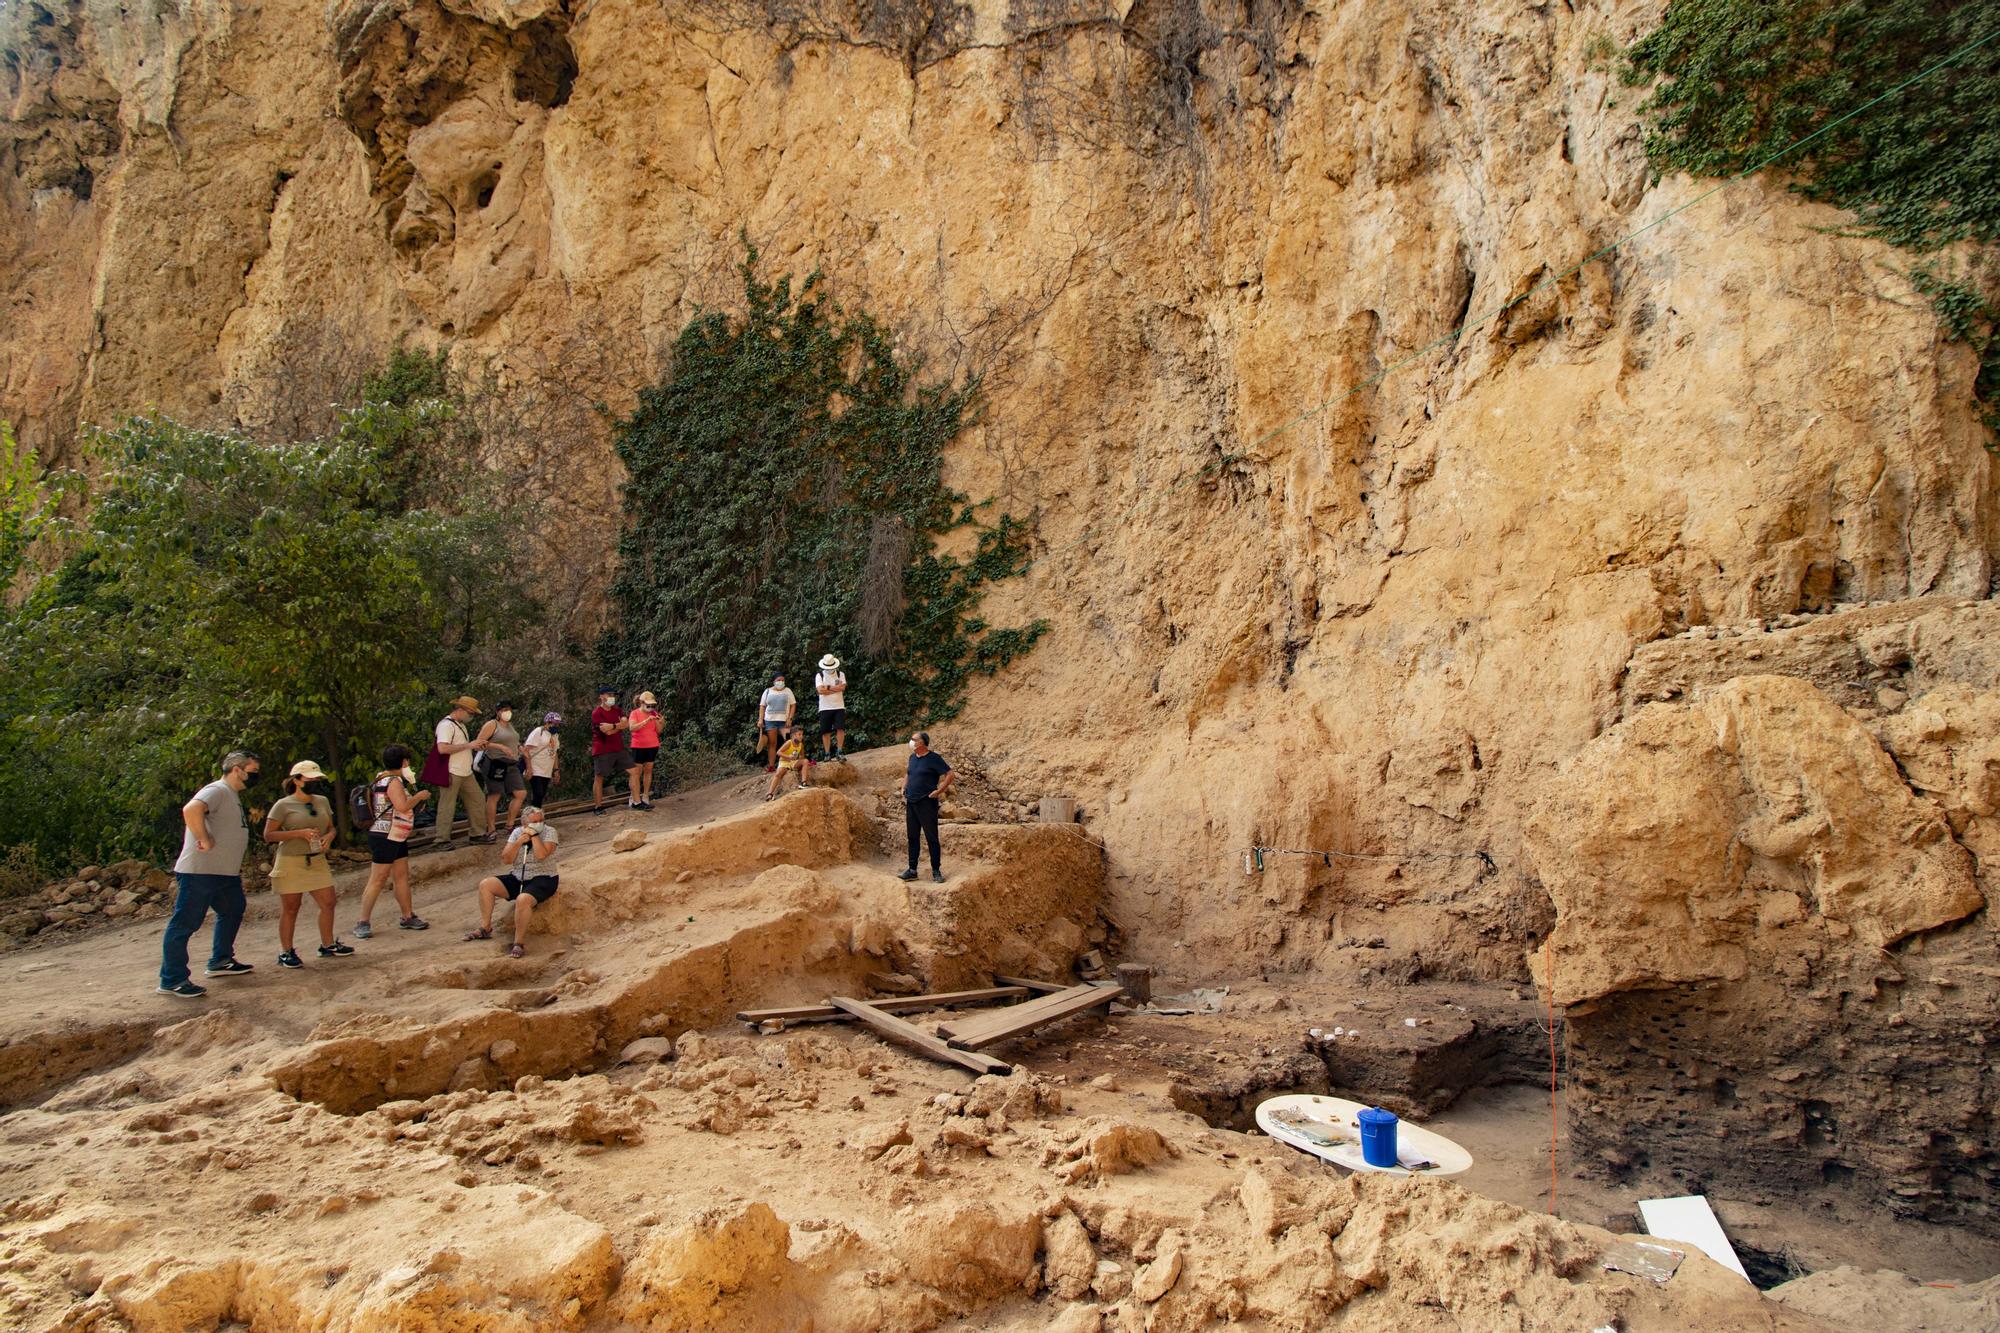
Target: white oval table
1326,1128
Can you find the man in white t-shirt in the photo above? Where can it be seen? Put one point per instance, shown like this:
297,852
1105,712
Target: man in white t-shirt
457,746
831,686
774,717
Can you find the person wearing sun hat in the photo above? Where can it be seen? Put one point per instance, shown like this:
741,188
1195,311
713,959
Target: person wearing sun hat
301,827
457,746
645,733
831,685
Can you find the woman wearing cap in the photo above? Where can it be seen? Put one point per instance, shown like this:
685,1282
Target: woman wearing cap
542,750
301,827
831,686
645,720
503,767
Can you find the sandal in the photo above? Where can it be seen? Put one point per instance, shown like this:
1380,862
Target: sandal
481,934
517,951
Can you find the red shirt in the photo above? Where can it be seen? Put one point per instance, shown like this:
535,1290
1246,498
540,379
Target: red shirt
600,743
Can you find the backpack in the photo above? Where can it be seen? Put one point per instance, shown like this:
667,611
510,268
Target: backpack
359,814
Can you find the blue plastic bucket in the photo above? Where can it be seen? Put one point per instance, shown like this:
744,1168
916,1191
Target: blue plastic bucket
1378,1136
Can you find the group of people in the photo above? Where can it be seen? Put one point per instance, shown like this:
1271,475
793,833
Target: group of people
301,826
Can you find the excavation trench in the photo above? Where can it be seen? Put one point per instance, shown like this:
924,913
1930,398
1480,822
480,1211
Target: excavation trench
545,1032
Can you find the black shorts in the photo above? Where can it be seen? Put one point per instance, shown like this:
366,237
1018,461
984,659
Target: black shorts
541,888
612,764
645,754
504,779
383,852
832,719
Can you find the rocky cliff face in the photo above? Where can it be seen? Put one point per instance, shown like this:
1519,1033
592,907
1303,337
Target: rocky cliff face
1321,576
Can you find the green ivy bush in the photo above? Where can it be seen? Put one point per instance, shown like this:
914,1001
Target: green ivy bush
1734,81
783,500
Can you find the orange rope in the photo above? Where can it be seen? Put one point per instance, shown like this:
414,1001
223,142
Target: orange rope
1549,972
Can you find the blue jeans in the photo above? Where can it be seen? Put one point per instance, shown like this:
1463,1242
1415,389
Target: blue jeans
199,893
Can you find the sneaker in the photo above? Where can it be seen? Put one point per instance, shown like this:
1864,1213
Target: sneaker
363,931
290,958
336,950
937,876
485,837
413,923
907,875
187,990
231,968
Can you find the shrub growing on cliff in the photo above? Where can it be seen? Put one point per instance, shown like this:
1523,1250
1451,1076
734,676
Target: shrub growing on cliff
784,499
1734,81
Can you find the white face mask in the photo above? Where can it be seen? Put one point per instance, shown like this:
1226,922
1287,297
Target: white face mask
777,684
506,715
409,774
913,742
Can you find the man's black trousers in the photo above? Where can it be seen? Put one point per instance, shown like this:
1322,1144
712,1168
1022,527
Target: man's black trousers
921,816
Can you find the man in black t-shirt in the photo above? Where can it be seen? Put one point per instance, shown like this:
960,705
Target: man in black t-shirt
929,777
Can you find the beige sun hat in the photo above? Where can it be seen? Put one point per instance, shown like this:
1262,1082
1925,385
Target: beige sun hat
646,698
829,663
306,768
467,702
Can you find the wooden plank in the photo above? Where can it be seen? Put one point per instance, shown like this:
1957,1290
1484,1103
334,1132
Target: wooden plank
897,1030
1041,987
826,1013
1000,1024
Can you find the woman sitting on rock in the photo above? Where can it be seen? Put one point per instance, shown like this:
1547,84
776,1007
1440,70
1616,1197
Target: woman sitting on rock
531,851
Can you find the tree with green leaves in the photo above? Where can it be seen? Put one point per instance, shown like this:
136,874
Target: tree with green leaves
289,597
784,498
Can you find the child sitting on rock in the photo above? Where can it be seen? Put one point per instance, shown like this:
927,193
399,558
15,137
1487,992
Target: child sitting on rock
791,759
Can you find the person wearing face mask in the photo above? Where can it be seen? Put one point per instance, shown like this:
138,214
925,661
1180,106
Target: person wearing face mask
529,882
503,767
645,729
543,751
300,826
395,807
774,711
608,755
209,875
928,779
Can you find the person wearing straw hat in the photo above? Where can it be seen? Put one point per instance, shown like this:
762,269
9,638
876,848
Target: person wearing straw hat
831,686
458,747
645,719
300,826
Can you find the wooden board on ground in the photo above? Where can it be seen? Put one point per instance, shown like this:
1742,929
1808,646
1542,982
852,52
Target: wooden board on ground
897,1030
998,1025
1039,987
902,1004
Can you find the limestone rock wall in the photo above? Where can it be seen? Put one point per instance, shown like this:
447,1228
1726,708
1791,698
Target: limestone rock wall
1772,890
1320,575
